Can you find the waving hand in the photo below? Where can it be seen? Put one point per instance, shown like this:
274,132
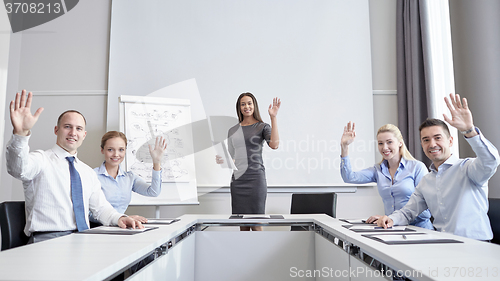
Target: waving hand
20,113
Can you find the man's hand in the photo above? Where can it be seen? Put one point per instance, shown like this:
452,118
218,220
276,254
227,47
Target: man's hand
20,114
385,222
461,116
373,219
139,218
125,222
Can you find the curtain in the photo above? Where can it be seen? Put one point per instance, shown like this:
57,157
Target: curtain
412,85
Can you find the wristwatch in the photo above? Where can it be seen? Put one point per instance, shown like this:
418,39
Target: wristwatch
468,131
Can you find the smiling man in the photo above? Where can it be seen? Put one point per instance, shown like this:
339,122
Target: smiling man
59,189
455,190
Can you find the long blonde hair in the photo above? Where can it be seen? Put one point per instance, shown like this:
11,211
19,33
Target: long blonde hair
403,151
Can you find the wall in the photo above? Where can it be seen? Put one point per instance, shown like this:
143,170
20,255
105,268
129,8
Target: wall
65,64
366,200
4,59
65,61
476,42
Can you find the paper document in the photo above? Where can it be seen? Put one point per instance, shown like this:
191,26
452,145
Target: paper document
162,221
221,150
411,238
116,230
354,221
372,228
256,216
404,237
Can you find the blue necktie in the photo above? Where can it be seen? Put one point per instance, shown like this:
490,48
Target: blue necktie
77,196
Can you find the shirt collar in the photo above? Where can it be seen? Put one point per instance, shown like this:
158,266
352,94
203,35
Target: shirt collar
449,162
102,170
61,153
402,163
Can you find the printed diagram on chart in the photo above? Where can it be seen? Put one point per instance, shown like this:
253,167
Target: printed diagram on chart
144,123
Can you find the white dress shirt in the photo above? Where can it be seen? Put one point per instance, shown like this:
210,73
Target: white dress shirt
457,193
47,188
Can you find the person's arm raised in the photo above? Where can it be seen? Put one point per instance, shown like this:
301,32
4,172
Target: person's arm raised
20,113
273,112
157,152
347,138
461,116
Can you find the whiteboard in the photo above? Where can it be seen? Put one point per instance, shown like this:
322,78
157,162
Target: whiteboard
142,119
313,54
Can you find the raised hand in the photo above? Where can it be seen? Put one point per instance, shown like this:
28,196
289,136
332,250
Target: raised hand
461,117
274,107
157,151
347,138
20,113
349,134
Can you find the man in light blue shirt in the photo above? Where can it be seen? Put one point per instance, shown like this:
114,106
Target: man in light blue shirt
456,190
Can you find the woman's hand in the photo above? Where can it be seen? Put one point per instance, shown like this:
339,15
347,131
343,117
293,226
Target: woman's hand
347,138
219,160
349,134
158,151
274,107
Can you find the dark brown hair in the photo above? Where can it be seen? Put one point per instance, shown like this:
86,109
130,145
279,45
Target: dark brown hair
429,122
112,134
256,113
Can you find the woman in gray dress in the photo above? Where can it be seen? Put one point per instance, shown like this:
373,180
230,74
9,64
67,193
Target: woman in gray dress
245,141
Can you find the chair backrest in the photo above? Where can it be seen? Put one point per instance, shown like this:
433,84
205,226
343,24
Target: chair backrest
494,215
314,203
12,222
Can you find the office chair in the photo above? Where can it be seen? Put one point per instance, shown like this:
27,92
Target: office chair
494,215
313,203
12,222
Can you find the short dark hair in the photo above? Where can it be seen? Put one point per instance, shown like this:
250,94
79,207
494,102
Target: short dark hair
70,111
429,122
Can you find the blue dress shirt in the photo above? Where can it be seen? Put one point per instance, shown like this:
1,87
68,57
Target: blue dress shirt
119,191
457,193
395,194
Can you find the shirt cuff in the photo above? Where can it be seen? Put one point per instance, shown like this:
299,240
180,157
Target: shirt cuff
19,141
398,218
116,217
156,173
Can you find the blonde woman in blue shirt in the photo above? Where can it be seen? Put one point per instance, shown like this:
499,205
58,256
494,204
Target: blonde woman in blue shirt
396,175
118,184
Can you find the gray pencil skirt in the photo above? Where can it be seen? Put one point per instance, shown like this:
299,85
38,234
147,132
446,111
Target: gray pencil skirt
249,193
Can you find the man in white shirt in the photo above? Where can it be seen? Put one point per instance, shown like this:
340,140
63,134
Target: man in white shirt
455,190
46,176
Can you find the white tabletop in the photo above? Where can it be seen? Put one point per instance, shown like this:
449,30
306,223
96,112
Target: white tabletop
98,256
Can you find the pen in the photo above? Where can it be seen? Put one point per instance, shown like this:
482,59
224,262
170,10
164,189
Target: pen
404,237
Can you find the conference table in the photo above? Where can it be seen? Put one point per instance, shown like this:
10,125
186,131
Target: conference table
211,247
